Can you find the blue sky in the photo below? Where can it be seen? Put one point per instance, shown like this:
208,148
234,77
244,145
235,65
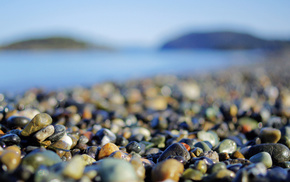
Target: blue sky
141,23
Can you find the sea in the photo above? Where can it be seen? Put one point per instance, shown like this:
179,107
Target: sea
53,70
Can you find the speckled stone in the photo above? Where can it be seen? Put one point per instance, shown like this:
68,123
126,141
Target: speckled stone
75,168
42,134
278,152
116,170
38,122
176,149
212,155
107,150
270,135
263,157
40,157
169,169
227,145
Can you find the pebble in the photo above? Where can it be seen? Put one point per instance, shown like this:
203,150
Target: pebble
37,123
202,145
263,157
42,134
192,174
59,132
278,152
133,147
17,121
75,167
10,158
176,149
270,135
228,146
138,166
116,170
40,157
10,139
105,136
169,169
107,150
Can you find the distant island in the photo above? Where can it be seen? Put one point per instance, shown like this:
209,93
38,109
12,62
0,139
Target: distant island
223,40
52,43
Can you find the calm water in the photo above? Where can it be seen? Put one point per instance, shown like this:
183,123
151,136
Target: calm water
53,70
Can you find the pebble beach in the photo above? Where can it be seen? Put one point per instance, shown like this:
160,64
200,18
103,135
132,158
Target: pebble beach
225,125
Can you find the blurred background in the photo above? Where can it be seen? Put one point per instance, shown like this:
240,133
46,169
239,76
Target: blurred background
62,44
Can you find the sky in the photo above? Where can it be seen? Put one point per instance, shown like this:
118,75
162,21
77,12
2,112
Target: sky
140,23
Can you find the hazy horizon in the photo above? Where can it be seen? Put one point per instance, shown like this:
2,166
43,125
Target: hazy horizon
130,23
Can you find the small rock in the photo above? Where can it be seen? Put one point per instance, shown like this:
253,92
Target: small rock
192,174
227,145
263,157
74,168
169,169
42,134
133,147
176,149
138,166
38,122
270,135
116,170
10,159
59,132
107,150
10,139
17,121
105,136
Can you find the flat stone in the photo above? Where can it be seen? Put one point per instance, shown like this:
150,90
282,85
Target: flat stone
263,157
204,146
278,152
176,149
42,134
270,135
169,169
37,123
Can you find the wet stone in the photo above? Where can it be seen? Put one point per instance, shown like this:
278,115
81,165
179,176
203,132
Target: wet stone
237,155
10,159
37,123
169,169
133,147
10,139
59,132
105,136
212,155
138,166
227,145
200,166
216,167
278,152
204,146
17,121
119,154
176,149
263,157
74,168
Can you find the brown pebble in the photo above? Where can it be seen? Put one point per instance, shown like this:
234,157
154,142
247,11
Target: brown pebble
224,156
270,135
138,166
11,159
107,150
169,169
237,155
